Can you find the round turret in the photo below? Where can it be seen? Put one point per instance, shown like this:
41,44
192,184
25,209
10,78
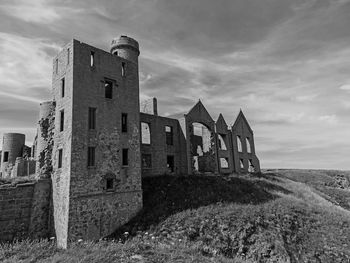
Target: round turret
12,147
126,47
45,109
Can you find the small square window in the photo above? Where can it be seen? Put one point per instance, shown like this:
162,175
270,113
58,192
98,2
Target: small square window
60,157
108,89
109,184
125,157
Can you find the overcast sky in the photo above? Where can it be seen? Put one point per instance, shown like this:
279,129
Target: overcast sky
286,64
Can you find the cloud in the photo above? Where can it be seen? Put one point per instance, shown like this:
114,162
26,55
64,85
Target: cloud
285,63
37,11
330,119
345,87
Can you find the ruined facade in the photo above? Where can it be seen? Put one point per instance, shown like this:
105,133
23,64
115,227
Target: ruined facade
95,142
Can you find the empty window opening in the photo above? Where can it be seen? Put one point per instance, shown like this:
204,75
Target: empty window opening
56,65
109,184
124,122
125,157
6,157
241,163
62,87
68,51
202,150
60,157
108,89
61,120
224,162
251,167
249,149
239,144
92,118
169,135
91,156
170,163
146,160
123,69
145,133
92,59
221,142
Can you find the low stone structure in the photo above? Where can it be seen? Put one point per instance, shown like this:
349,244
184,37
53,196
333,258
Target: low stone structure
93,144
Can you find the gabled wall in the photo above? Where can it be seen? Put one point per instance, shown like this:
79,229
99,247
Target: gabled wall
242,129
222,129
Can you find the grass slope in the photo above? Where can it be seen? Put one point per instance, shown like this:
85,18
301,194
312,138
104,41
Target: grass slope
281,216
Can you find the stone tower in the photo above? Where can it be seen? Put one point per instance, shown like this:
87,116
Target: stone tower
96,156
12,147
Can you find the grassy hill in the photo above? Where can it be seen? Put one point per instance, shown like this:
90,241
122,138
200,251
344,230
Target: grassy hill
279,216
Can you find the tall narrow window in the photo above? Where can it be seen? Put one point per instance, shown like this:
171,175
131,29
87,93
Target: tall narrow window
145,133
60,157
170,163
239,143
221,142
241,163
6,157
56,65
62,87
169,135
109,184
92,59
108,89
68,51
125,157
61,120
249,149
123,69
251,168
124,122
91,156
92,118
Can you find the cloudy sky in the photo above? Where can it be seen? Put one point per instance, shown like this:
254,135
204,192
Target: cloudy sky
286,64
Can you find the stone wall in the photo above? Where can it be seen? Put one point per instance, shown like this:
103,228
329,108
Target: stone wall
25,210
158,149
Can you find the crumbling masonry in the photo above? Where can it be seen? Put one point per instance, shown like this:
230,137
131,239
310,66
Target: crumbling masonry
94,143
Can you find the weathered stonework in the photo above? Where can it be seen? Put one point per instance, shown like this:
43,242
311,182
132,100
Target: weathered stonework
25,210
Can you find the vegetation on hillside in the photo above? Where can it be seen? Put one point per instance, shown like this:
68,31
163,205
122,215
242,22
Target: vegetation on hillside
279,216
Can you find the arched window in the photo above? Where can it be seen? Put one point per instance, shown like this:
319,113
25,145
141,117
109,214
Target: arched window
249,149
239,143
222,145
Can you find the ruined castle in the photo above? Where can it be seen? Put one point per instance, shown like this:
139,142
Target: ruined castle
94,144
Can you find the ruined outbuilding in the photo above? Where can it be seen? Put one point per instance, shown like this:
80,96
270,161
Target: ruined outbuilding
94,142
